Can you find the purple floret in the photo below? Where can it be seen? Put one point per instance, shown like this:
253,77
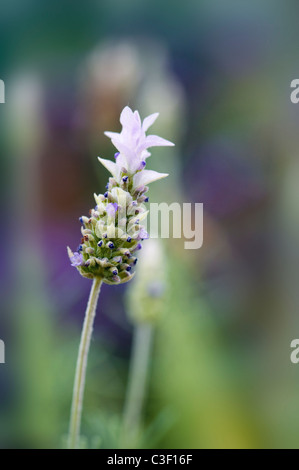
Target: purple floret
143,235
111,209
77,259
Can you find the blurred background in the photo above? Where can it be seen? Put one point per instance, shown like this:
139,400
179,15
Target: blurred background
219,73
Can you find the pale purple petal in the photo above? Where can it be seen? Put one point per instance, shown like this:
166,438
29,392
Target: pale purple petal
124,149
149,121
127,118
121,161
137,117
145,154
155,141
145,177
111,166
111,209
134,166
112,135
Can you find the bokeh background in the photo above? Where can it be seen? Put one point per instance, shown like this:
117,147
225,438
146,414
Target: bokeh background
219,73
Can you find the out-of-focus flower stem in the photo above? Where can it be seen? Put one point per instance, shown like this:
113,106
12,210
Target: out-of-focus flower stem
78,391
136,390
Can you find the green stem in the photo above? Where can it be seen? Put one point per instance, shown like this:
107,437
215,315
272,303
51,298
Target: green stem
78,391
136,391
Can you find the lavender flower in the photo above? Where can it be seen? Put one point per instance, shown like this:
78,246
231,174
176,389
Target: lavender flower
112,232
142,235
76,259
111,209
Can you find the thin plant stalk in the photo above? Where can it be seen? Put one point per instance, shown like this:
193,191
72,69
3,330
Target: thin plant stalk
136,391
79,384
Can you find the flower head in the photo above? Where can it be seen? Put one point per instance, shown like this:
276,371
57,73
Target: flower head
112,232
132,144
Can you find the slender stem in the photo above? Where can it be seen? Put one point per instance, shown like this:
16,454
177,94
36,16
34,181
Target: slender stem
78,391
136,391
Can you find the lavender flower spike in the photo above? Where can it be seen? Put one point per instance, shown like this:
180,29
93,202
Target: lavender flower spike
112,232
